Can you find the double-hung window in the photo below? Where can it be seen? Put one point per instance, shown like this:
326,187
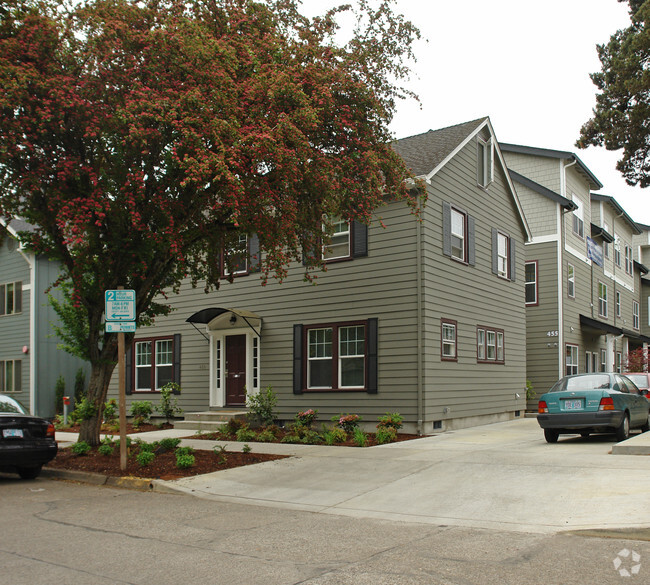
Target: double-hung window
570,281
336,357
571,359
339,245
629,263
578,219
153,363
448,340
531,283
605,242
458,224
235,261
457,234
10,376
618,303
503,246
635,314
503,255
11,294
490,345
617,250
602,299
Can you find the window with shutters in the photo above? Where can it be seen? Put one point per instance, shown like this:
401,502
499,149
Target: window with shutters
11,297
458,234
153,363
335,356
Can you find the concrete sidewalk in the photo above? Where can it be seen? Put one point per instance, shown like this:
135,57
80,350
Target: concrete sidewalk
502,476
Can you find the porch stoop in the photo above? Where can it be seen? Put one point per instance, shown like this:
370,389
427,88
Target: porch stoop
209,420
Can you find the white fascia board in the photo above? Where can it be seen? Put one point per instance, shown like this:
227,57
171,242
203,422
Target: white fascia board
495,142
577,254
544,239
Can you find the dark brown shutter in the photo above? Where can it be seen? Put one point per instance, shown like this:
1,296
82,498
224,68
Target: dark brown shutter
372,355
176,368
128,369
359,240
18,297
446,228
298,365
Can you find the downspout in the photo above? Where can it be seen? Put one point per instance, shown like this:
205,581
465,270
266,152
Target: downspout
419,277
560,278
31,260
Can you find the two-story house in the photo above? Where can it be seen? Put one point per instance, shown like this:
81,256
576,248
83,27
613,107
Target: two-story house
30,362
582,289
425,317
641,243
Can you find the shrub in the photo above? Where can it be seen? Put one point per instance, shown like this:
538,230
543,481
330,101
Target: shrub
105,449
129,442
185,451
334,436
347,422
145,457
220,452
306,418
169,406
261,405
266,436
169,443
360,438
185,461
81,448
310,437
232,426
141,411
59,392
530,392
391,420
246,434
385,435
145,447
291,438
110,412
246,449
84,410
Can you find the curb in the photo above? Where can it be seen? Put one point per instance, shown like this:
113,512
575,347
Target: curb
132,483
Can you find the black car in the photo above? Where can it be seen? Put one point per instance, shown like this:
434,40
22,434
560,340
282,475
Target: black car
26,442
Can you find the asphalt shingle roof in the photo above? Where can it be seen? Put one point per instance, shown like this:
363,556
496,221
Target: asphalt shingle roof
424,152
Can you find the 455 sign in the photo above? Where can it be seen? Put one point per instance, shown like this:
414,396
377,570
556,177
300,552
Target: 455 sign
119,310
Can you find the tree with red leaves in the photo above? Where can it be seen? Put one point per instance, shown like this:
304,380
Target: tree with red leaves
637,360
141,138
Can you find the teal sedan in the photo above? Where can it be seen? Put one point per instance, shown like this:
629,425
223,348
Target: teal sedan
593,403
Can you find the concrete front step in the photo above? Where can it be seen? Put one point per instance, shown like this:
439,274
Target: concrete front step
209,420
199,425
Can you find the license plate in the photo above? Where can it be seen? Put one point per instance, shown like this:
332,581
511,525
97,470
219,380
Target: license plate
573,405
12,433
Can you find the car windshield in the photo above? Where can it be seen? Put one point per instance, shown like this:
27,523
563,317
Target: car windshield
597,381
8,404
641,380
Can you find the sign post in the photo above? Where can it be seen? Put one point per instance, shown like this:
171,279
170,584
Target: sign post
120,317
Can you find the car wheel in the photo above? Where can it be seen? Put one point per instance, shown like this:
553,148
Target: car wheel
551,435
29,472
623,430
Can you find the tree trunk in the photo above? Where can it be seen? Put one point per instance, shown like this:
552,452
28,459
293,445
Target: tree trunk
100,377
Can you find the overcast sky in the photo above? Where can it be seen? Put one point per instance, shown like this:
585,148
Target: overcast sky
525,64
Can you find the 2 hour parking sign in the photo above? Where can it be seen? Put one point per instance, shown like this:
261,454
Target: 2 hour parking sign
119,305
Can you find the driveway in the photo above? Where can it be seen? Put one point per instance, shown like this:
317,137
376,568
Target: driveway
501,476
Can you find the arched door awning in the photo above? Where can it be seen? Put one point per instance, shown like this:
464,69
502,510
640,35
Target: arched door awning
216,318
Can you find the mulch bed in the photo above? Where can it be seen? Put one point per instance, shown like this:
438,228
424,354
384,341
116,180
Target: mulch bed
162,467
130,429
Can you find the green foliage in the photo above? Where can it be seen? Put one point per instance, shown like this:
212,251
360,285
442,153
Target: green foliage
169,443
530,393
59,393
261,405
360,437
79,385
221,453
168,402
246,449
232,426
84,410
392,420
623,98
143,446
144,458
81,448
266,436
185,457
72,327
385,435
335,435
141,411
347,422
110,412
245,433
129,442
106,449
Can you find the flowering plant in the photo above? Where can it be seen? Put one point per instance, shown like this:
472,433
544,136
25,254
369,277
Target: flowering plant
391,420
306,418
347,422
